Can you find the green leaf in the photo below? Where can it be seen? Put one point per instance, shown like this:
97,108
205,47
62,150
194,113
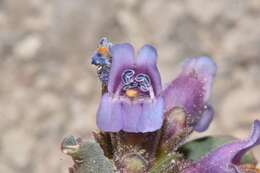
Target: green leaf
197,148
93,159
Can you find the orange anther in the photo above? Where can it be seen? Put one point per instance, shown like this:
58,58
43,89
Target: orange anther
103,51
132,93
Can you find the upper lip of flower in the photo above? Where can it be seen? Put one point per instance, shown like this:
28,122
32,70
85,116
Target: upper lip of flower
144,64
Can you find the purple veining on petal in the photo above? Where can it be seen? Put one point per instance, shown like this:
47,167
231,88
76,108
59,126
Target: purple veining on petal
205,119
147,62
122,58
226,158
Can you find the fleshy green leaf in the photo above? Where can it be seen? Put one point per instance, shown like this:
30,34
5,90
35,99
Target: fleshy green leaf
93,159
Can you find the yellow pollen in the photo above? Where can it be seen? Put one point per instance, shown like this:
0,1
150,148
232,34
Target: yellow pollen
132,93
103,51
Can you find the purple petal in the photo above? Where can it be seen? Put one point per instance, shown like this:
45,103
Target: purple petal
122,57
131,115
117,114
152,115
142,115
191,89
186,92
205,70
226,158
205,120
147,62
109,115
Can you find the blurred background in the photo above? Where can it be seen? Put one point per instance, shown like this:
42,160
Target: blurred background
49,89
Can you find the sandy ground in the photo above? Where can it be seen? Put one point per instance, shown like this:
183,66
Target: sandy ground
48,89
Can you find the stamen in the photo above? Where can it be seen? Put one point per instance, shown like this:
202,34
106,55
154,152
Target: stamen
103,51
140,82
127,76
130,85
132,93
143,81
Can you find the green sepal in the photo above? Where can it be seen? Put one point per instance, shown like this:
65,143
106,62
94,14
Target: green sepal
167,163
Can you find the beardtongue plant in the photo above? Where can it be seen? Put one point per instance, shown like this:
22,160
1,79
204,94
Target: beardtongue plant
143,127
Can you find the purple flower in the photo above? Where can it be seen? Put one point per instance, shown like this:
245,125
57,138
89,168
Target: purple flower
135,101
226,158
191,91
